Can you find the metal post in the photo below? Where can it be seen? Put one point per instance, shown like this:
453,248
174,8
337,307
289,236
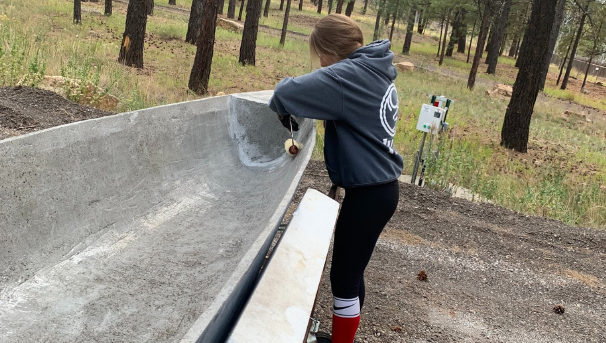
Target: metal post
418,159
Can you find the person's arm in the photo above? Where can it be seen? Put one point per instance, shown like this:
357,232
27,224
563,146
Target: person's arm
318,95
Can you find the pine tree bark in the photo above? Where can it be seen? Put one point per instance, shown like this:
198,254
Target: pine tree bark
420,25
445,37
365,7
281,6
231,9
339,8
522,45
108,7
268,3
329,5
319,7
200,71
241,10
493,51
409,30
471,39
172,2
462,33
350,8
471,82
574,49
249,35
552,41
563,63
285,23
301,5
516,125
221,6
587,71
77,11
195,21
131,49
454,35
440,39
514,43
150,7
378,20
393,22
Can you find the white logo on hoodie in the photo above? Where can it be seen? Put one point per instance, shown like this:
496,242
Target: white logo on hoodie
389,115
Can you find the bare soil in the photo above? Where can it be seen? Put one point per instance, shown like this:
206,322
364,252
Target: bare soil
24,110
493,275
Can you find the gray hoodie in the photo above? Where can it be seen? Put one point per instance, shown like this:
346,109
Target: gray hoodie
359,102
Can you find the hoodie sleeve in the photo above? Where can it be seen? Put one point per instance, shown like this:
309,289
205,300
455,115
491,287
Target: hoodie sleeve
317,95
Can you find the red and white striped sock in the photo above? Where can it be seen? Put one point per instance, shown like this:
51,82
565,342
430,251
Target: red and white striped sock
345,319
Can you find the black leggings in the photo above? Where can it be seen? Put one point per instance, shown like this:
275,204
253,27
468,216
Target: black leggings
364,213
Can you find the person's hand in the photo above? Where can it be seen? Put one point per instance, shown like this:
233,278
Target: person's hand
287,121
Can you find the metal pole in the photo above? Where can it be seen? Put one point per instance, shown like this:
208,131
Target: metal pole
418,159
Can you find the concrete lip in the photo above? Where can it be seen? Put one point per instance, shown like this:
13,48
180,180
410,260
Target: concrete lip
146,226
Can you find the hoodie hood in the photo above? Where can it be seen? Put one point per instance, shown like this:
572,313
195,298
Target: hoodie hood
378,56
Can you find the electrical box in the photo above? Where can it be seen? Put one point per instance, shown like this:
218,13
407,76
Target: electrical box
430,115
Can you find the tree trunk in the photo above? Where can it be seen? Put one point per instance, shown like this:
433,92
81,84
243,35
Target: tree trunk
462,33
200,71
77,11
249,35
393,22
512,49
409,30
440,40
497,37
503,43
131,49
420,25
268,2
386,17
329,5
445,37
281,6
522,45
241,10
108,7
516,125
339,6
454,36
195,21
471,82
350,8
172,2
471,39
150,7
552,41
365,7
518,49
300,5
221,6
588,67
563,63
231,9
285,23
319,7
378,21
574,49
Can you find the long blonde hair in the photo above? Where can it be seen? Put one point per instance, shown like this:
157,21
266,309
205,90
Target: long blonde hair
335,35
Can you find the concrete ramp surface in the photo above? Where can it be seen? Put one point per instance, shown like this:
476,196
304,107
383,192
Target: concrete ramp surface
144,226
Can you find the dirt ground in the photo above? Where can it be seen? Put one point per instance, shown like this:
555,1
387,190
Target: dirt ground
493,275
24,110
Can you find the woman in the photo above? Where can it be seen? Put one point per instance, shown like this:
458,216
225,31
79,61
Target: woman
355,95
